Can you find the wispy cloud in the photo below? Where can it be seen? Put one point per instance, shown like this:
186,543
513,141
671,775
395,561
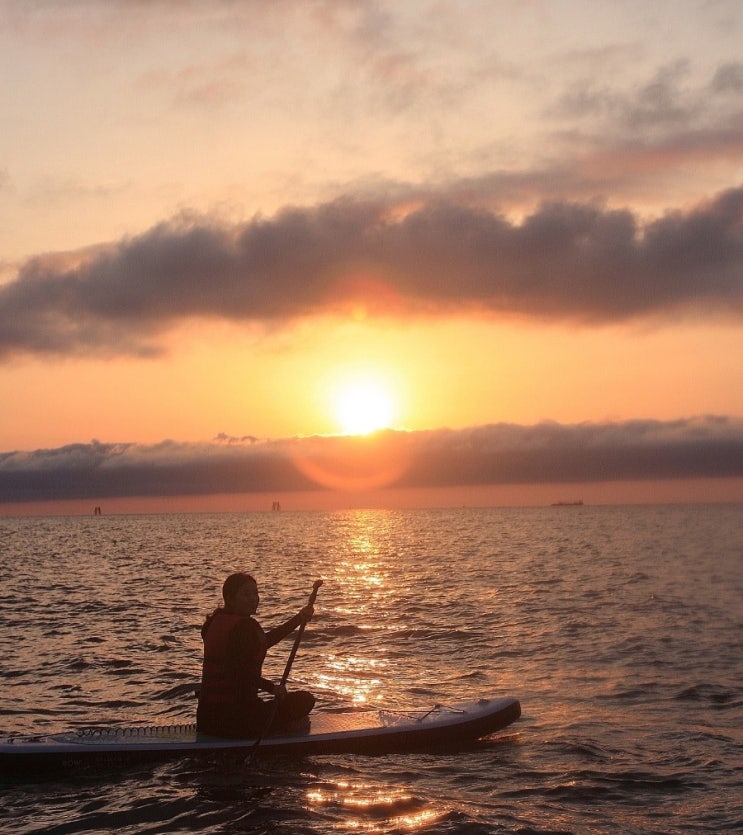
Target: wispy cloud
668,101
494,454
564,262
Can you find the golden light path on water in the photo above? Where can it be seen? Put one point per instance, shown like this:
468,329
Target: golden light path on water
366,576
362,580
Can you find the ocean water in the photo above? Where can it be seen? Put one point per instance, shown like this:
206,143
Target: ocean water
620,629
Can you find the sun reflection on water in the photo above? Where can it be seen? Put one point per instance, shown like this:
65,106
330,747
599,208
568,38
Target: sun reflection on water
364,575
358,679
384,808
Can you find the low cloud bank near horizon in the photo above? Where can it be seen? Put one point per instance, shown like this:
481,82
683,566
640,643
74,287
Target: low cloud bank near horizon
436,257
498,454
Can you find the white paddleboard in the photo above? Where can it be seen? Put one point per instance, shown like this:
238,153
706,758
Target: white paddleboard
363,732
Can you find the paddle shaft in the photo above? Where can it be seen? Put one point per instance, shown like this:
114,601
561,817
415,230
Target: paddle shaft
287,670
298,639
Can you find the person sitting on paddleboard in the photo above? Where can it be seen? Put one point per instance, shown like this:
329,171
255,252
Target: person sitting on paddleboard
235,647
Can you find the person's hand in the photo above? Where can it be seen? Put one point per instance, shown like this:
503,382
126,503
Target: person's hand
279,691
305,615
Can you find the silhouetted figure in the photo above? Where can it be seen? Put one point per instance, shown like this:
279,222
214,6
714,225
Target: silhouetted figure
235,647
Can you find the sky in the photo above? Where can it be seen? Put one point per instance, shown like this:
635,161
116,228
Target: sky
508,235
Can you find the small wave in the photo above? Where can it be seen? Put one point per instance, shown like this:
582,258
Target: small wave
459,635
596,786
712,694
586,750
93,606
426,692
188,688
79,664
639,691
27,711
637,577
109,704
475,675
650,781
126,672
332,632
117,663
575,627
14,673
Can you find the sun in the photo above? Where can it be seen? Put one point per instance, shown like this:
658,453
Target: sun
361,406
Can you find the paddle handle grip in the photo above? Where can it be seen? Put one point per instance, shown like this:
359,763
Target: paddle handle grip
315,587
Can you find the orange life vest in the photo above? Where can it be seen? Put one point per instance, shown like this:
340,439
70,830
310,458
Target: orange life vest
217,674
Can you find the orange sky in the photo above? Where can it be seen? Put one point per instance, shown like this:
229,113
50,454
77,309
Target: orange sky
212,214
234,383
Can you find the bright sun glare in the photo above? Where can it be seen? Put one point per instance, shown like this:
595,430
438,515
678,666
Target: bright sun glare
363,406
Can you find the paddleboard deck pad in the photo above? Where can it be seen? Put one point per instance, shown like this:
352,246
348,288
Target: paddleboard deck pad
364,732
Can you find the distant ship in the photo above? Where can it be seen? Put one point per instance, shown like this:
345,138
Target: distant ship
568,504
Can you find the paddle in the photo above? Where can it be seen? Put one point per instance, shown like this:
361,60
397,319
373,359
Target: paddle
287,670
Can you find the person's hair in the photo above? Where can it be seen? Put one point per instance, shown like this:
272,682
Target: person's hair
234,582
230,588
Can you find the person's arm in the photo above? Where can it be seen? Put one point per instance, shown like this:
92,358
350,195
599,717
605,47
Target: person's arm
273,636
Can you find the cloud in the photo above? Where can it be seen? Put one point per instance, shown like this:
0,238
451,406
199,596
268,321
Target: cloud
704,447
631,135
566,261
662,102
671,99
728,78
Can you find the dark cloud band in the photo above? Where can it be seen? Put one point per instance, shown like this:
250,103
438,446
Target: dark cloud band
565,262
495,454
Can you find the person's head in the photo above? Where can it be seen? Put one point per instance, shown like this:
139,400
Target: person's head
240,593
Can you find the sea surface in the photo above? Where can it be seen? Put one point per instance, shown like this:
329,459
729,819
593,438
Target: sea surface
620,630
